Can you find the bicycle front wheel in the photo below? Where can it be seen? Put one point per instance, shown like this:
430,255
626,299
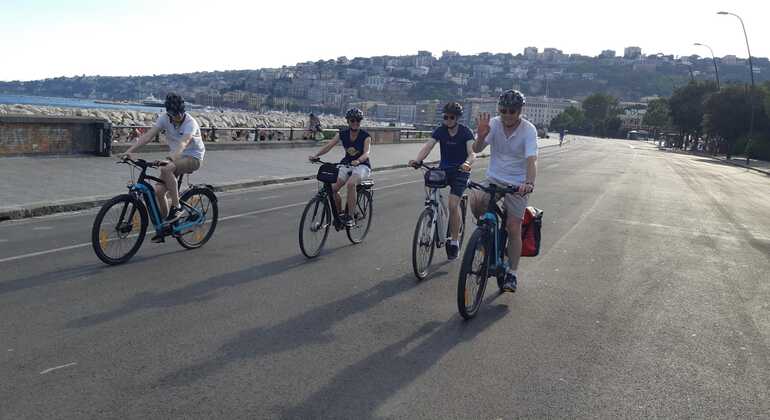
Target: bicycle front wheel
473,275
201,204
119,229
362,215
423,244
314,227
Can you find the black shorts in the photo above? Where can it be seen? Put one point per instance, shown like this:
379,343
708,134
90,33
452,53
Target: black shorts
458,181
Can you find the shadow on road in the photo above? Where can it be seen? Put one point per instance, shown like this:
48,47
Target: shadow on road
73,273
357,391
311,327
195,292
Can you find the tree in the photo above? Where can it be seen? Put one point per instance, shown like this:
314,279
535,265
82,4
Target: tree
600,110
727,115
658,114
572,119
687,106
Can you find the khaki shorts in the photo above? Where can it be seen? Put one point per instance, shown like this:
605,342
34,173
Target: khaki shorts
186,165
514,204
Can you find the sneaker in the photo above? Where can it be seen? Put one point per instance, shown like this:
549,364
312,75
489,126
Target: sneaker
452,250
509,285
157,239
174,214
347,220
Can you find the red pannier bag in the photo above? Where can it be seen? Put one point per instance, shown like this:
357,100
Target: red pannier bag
530,232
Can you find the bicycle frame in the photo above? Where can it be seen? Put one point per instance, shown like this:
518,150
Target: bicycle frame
327,193
143,189
490,221
435,200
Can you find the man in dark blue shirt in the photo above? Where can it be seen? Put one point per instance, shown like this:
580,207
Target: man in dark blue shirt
455,143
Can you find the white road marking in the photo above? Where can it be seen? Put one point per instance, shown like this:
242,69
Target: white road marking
49,251
268,197
234,216
57,368
42,228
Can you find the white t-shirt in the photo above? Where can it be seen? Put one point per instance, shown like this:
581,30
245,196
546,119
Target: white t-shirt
174,135
508,155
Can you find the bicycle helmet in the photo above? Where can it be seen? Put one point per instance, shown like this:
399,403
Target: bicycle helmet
354,114
174,104
453,108
511,99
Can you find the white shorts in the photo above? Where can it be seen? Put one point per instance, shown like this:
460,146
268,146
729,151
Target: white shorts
362,171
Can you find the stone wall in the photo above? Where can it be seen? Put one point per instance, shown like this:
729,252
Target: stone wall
25,135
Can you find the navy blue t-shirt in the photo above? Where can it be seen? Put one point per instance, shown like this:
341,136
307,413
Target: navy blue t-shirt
353,148
454,150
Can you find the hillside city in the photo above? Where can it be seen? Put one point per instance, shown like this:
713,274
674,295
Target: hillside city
409,89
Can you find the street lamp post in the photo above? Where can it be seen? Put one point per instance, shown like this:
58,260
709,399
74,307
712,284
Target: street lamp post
713,58
751,73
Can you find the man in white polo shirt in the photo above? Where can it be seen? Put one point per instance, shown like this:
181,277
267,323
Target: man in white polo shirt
513,158
186,150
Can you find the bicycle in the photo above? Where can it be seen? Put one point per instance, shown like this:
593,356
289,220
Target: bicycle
432,228
130,213
485,254
321,212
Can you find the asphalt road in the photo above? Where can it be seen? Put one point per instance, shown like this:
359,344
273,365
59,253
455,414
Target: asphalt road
651,298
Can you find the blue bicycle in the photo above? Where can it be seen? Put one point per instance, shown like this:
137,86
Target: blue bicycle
485,253
121,224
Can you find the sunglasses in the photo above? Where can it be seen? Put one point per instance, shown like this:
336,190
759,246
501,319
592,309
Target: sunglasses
450,117
352,120
508,111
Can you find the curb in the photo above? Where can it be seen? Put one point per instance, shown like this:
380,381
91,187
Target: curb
742,165
721,159
44,209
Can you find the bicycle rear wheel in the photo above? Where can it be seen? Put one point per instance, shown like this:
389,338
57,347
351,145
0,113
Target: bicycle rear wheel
119,229
314,227
423,244
473,275
362,215
204,212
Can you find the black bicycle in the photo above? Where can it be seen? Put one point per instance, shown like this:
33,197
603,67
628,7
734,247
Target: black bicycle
321,212
121,224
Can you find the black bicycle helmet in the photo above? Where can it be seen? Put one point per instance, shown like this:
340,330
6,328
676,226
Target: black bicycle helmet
174,104
354,114
453,108
511,99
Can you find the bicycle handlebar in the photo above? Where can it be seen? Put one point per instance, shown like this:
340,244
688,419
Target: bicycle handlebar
492,188
141,163
422,164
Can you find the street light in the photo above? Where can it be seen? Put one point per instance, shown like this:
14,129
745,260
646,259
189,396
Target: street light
751,73
713,58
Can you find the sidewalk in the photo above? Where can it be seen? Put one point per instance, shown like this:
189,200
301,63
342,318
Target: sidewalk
35,186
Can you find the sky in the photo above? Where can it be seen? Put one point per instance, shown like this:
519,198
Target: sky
51,38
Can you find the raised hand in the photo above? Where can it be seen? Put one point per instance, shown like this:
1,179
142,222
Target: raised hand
482,124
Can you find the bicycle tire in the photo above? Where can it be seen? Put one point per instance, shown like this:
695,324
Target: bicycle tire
316,204
364,208
198,234
468,309
100,235
425,220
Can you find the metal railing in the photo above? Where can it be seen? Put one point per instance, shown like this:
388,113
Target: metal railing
129,133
